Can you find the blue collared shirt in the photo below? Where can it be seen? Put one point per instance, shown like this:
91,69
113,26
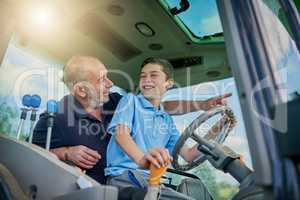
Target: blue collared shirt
148,126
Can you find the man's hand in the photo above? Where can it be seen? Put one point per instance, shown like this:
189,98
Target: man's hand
214,101
159,157
82,156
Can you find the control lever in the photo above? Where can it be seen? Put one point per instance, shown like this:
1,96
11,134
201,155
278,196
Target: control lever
35,103
26,103
52,108
223,158
153,189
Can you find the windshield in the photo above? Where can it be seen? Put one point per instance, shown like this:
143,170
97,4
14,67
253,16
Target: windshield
201,19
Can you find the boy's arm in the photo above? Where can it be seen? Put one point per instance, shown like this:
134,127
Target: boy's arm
182,107
157,156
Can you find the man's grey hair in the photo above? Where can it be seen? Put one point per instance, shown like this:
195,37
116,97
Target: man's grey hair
77,69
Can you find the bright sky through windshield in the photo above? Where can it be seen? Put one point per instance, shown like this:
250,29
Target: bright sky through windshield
206,11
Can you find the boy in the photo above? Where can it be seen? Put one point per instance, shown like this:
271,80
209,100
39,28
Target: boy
142,132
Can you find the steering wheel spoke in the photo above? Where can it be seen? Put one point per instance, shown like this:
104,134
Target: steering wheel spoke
194,136
218,133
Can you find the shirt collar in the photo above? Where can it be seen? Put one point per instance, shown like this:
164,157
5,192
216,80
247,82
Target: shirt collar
147,104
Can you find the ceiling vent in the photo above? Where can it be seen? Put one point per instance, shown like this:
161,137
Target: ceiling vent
186,62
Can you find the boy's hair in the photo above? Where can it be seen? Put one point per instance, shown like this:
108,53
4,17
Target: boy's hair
167,68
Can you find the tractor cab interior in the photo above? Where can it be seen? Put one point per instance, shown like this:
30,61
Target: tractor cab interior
210,56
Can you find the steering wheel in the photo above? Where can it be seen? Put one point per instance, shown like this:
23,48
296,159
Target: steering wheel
218,133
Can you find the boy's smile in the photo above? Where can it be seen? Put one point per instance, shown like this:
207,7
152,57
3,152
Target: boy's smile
153,81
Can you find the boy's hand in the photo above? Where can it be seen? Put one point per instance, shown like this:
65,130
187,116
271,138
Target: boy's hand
218,100
159,157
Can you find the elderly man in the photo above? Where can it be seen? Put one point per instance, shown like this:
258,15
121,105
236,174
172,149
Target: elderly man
79,128
79,134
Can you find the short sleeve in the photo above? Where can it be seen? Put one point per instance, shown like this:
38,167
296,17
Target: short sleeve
174,136
124,114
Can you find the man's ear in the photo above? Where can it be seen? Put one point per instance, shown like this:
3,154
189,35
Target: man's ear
80,90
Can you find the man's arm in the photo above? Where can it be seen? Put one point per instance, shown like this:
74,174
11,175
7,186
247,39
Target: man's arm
60,152
182,107
157,156
80,155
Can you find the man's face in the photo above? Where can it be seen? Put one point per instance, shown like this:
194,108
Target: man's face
153,81
98,85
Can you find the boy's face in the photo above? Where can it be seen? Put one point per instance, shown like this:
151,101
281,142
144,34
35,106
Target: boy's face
153,81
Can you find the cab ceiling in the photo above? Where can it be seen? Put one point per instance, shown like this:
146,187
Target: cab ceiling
106,29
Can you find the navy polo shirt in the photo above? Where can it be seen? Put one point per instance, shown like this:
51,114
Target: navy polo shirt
73,126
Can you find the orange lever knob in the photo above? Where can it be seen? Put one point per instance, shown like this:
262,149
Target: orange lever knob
156,174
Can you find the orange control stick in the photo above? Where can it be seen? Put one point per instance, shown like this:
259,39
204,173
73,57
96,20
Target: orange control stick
156,174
